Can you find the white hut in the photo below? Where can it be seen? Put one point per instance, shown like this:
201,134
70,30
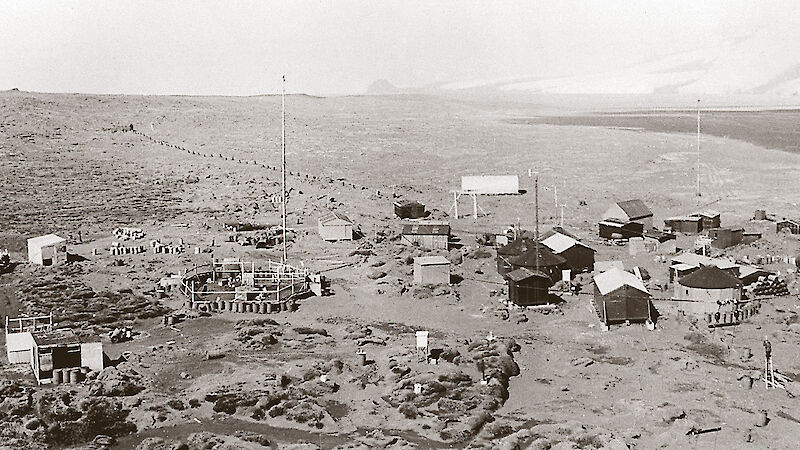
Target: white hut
335,227
431,270
47,250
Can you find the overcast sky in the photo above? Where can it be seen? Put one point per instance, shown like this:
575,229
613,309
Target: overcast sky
338,47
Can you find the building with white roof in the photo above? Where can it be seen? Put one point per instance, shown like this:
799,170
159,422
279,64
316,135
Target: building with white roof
621,296
579,256
47,250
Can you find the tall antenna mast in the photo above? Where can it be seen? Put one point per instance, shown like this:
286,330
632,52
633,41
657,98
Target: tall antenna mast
536,231
698,148
283,164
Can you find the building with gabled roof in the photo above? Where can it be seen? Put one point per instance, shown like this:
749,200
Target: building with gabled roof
790,225
528,287
431,235
579,256
631,211
514,248
47,250
621,296
335,226
539,257
557,230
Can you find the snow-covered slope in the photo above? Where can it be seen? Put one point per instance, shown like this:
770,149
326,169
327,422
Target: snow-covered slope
765,62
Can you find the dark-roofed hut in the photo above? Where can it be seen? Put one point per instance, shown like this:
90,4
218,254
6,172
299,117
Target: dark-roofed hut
616,229
527,287
631,211
510,250
705,289
547,262
687,225
409,209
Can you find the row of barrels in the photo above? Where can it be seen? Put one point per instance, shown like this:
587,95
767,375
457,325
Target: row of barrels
243,306
731,317
71,375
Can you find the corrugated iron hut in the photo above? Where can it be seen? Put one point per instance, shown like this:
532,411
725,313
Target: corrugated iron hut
793,226
631,211
409,209
431,270
432,235
548,263
335,227
580,257
705,289
621,296
711,219
616,229
527,287
47,250
686,224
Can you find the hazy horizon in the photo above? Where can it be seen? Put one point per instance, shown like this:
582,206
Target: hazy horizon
329,48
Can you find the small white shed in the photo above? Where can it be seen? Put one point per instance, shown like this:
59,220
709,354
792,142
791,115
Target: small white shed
335,227
47,250
431,270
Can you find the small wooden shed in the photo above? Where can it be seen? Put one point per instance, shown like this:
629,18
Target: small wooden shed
335,227
711,219
47,250
431,270
725,237
432,235
617,229
528,287
409,209
687,224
